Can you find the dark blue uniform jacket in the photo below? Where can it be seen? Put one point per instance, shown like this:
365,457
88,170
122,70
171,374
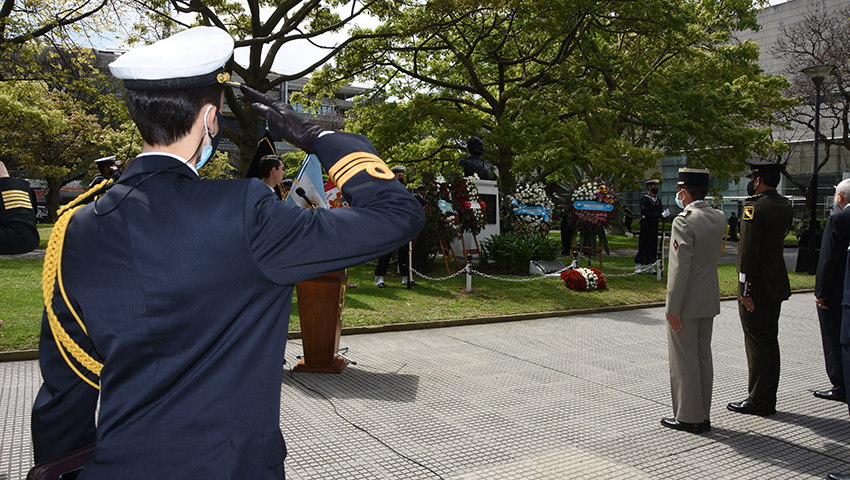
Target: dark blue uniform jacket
185,287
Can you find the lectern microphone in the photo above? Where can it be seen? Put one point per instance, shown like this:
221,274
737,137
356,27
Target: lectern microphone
301,193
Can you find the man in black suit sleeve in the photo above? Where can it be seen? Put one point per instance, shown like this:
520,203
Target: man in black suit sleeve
829,289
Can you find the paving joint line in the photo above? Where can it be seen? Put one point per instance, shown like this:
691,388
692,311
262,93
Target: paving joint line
560,371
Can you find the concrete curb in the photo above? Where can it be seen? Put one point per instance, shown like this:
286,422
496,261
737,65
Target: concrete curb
402,327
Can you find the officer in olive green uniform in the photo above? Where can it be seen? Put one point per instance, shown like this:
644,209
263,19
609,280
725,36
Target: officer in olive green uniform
18,233
763,284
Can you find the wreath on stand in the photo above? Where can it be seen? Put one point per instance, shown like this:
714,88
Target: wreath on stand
528,210
593,205
467,204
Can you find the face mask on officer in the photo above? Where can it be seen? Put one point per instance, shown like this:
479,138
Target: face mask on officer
680,202
751,187
207,151
654,190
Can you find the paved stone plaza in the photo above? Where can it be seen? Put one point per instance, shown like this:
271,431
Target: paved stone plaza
568,397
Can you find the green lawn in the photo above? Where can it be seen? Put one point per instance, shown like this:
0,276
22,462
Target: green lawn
368,305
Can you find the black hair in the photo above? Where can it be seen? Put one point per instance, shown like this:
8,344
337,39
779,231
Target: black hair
165,116
771,179
698,192
267,163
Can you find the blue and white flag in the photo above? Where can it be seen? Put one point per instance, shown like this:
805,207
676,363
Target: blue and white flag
308,183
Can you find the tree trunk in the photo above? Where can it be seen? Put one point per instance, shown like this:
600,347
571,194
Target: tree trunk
52,198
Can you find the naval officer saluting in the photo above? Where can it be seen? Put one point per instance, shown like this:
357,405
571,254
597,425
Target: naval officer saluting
189,347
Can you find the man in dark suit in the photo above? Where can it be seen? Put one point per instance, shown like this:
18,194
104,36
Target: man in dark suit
844,339
762,284
189,346
829,290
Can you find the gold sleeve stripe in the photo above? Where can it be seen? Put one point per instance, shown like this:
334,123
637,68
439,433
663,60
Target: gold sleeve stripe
356,162
16,199
18,204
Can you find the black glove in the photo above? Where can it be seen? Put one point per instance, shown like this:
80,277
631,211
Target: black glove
283,120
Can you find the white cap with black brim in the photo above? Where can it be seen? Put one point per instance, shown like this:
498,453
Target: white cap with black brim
191,58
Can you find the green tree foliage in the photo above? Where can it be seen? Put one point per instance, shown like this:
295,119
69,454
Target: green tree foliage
48,135
820,37
263,28
606,85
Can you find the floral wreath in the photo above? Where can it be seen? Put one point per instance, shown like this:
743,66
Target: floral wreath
470,209
592,191
529,209
584,279
440,209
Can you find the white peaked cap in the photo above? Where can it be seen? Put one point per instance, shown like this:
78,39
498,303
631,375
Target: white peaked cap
191,58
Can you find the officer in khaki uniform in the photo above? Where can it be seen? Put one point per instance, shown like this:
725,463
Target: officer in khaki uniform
693,300
763,284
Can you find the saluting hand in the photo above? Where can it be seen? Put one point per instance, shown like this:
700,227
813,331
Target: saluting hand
283,120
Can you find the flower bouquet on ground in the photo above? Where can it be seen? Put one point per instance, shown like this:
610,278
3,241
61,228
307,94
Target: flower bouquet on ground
584,279
528,210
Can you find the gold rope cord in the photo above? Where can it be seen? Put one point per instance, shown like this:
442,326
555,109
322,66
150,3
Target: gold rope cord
53,272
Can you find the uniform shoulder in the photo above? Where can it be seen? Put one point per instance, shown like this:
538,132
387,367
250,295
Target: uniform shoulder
13,183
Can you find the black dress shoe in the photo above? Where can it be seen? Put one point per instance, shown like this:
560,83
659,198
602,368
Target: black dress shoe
832,394
748,408
706,426
677,425
837,476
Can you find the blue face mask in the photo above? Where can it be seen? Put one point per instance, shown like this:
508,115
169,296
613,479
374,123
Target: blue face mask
207,151
679,202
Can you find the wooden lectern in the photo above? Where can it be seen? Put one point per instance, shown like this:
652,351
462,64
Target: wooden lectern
320,302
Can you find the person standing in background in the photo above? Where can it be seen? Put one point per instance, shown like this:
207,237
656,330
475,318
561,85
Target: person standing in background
650,211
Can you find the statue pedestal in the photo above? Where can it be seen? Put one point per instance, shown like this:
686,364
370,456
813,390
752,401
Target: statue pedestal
488,193
320,302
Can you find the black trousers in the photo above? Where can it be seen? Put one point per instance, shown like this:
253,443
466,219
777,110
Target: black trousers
384,262
845,354
830,332
647,243
761,340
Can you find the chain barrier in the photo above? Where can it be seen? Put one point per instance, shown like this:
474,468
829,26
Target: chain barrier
468,269
442,279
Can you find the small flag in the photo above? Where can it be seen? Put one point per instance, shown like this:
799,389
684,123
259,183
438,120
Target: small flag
332,195
308,179
265,147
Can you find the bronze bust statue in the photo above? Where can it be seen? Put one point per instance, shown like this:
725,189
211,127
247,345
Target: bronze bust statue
473,163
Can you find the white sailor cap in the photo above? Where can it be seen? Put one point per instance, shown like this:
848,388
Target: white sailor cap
191,58
110,160
399,168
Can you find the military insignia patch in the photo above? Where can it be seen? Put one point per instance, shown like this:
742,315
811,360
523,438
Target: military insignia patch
749,212
675,245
